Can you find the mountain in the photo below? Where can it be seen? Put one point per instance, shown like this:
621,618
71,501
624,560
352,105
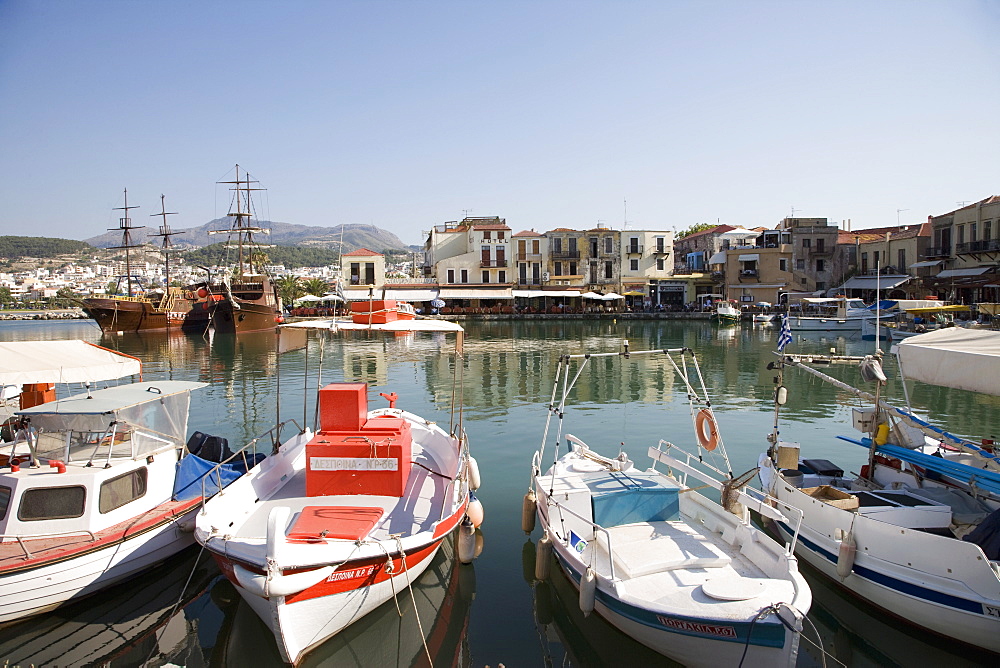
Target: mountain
282,234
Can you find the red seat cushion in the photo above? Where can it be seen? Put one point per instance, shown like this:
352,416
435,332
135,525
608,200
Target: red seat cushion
350,522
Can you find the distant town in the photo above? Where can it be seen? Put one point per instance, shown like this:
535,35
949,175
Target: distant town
482,261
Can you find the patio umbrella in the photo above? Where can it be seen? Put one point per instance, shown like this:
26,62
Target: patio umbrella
612,296
330,297
308,298
591,295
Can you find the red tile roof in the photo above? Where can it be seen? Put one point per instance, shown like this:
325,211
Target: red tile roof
362,252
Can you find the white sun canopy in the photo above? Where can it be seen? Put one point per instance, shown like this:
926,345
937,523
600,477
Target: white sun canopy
62,362
963,359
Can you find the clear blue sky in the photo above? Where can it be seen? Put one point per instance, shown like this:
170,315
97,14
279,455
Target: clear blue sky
549,114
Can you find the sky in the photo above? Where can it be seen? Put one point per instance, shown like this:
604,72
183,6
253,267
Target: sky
404,115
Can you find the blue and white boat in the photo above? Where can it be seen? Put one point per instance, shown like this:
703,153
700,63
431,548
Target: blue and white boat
917,532
665,564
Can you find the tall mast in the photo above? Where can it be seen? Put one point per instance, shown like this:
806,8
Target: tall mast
166,233
241,227
125,226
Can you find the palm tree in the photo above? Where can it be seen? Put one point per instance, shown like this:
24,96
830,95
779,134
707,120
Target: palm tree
316,286
289,288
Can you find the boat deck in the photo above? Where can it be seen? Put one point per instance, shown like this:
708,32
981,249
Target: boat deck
669,564
422,504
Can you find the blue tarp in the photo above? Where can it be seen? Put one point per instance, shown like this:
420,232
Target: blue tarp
191,469
620,498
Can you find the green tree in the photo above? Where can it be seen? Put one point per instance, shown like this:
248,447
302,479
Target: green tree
316,286
289,288
6,297
694,229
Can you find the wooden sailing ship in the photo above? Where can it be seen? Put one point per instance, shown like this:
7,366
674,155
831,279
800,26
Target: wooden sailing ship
140,309
249,301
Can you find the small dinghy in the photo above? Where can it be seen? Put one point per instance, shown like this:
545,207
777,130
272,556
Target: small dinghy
662,562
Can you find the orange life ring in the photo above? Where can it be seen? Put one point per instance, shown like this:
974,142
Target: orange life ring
707,439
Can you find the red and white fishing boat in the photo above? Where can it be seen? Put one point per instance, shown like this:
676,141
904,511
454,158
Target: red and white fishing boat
88,481
340,521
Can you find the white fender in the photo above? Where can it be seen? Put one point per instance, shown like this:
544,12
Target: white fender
277,522
845,555
528,507
279,585
474,478
466,542
543,557
588,591
474,511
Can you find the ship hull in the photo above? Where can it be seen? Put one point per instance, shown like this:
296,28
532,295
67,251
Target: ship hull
237,316
119,315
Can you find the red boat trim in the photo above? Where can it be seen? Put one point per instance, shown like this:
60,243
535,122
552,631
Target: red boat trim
48,551
448,524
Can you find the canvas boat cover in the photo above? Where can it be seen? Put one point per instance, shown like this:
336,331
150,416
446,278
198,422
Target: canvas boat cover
963,359
418,325
61,362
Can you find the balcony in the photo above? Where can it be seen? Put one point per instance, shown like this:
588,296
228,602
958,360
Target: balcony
937,251
493,264
989,246
528,257
660,250
565,255
749,273
819,250
633,249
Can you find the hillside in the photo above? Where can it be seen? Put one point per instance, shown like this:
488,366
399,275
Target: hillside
282,234
46,247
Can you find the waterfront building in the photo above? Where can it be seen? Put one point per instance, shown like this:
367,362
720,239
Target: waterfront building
647,269
758,269
885,259
529,255
966,248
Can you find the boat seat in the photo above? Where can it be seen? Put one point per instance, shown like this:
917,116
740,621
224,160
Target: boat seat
316,523
652,547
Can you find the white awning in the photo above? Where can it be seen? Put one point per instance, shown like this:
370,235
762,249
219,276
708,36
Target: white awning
972,271
62,362
955,357
749,257
474,293
872,283
531,294
414,295
718,258
926,263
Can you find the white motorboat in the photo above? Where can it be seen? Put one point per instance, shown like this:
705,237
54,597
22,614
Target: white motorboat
725,313
666,565
335,523
99,486
829,314
915,533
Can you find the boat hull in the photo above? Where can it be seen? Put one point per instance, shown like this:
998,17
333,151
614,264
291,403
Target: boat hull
804,323
930,581
228,318
116,315
304,620
46,587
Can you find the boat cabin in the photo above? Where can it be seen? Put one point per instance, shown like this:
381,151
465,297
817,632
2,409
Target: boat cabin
90,461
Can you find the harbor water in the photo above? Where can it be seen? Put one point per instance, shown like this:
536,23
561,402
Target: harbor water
490,612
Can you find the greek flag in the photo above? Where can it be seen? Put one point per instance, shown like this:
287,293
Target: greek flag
785,334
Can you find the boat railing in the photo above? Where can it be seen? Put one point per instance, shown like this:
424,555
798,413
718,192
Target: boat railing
595,526
216,471
34,536
764,504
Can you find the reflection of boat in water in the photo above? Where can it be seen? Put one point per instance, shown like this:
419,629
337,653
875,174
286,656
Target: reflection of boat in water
120,626
443,595
829,314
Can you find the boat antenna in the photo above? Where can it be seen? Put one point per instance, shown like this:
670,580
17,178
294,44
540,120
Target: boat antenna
167,246
125,227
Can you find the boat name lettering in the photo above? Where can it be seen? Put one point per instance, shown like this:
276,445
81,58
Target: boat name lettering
992,611
362,572
353,464
694,627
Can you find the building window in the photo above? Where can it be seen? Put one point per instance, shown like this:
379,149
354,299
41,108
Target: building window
502,277
864,263
486,276
465,275
558,268
557,245
821,285
633,265
609,245
659,264
820,265
486,235
572,245
451,275
660,247
52,503
987,230
961,234
972,232
608,270
500,235
800,265
807,243
782,264
534,247
572,269
901,257
122,489
522,272
820,244
593,246
4,501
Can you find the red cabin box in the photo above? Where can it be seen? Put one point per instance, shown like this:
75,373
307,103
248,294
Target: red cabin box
343,406
373,460
374,312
